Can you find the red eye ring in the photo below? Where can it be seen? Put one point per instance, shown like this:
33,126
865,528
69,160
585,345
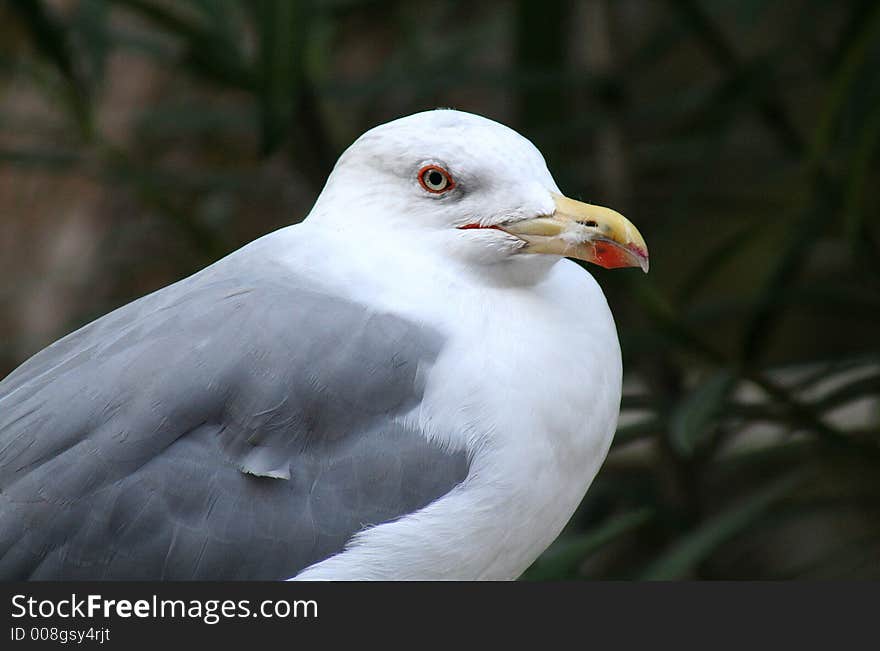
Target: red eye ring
430,183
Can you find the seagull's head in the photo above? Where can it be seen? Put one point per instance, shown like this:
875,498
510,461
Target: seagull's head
472,186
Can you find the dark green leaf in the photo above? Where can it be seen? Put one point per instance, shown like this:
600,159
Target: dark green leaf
693,417
562,559
684,556
52,41
282,28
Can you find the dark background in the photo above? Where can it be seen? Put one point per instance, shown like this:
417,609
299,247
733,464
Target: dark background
143,139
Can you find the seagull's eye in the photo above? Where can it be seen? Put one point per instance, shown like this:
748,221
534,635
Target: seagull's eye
435,179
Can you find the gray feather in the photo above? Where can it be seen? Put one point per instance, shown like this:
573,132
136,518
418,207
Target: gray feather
235,425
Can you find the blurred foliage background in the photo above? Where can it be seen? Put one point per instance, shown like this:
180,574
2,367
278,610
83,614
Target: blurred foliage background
143,139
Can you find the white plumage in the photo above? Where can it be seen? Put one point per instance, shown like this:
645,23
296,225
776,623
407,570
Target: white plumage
413,383
529,382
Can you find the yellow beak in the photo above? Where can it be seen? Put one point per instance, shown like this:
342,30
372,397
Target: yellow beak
579,230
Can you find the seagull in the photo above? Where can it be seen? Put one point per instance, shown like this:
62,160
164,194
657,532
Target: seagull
412,383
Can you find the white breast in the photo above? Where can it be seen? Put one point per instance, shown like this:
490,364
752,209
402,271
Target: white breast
530,385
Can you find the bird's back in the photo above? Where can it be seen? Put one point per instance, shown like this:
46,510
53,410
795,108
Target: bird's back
237,424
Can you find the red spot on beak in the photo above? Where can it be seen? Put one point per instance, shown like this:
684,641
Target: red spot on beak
612,256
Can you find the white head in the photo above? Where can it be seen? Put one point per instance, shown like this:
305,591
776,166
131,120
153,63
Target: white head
471,186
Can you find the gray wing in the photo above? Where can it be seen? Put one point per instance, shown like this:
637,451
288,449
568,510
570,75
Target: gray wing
235,425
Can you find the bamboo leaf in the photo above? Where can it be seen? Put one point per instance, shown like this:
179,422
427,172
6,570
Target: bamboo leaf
561,560
50,38
209,51
844,78
693,417
715,259
636,431
866,151
282,27
857,389
679,560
